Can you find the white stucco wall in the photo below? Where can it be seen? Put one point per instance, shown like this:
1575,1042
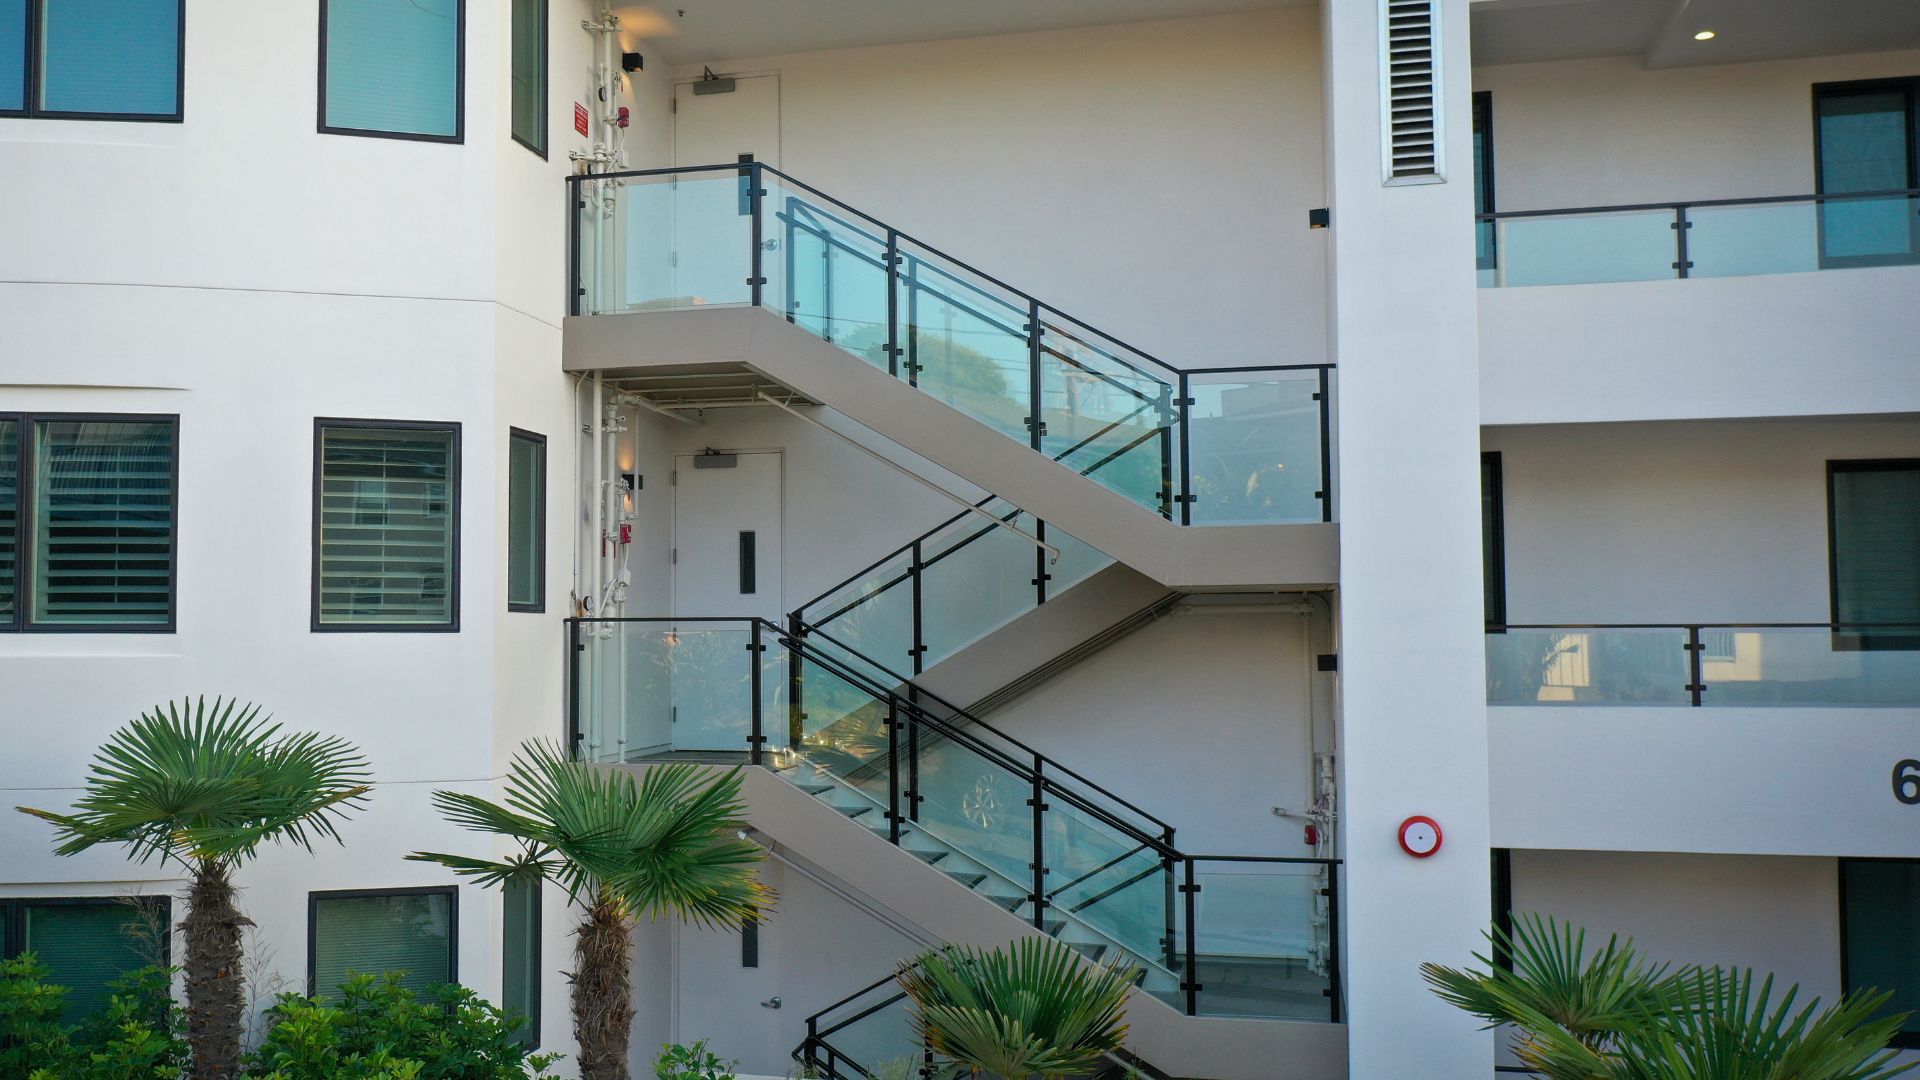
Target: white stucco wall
1149,178
1677,522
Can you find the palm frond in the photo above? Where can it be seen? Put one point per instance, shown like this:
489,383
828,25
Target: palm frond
1036,1008
204,783
666,844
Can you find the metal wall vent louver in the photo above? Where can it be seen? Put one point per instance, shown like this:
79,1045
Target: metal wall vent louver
1410,71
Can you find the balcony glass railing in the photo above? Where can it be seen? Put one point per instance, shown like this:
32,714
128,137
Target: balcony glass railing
1237,935
1200,446
1758,664
1709,238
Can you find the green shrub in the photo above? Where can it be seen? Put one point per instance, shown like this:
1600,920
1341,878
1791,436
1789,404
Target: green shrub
136,1036
380,1030
696,1062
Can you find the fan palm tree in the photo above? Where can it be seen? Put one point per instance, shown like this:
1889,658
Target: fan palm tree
206,786
1614,1017
1035,1010
665,845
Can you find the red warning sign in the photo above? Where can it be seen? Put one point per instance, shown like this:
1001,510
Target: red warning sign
579,118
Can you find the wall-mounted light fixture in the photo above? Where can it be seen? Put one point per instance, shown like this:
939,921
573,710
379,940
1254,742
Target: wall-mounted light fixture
1319,219
1705,35
631,62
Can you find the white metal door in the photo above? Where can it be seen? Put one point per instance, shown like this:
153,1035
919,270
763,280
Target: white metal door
713,211
726,562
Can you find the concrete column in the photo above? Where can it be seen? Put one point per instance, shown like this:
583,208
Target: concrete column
1413,701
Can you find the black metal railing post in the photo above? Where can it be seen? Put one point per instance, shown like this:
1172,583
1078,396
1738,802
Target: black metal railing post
1325,398
1171,942
756,193
789,226
913,320
893,303
1185,404
1696,686
1334,989
796,712
893,771
1039,803
576,274
1036,422
575,735
919,647
758,736
1040,573
913,756
1190,981
1164,408
1681,264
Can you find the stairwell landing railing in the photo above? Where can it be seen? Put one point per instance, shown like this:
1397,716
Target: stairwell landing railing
1231,444
647,689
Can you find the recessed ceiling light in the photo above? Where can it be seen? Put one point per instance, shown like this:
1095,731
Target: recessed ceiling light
1704,35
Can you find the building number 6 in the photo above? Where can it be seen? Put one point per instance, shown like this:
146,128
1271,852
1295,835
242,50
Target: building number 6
1906,781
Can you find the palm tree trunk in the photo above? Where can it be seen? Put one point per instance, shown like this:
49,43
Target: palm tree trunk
602,990
216,995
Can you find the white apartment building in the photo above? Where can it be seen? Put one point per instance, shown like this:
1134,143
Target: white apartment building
1040,439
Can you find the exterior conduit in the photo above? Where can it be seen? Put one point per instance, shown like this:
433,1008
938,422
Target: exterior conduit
1053,553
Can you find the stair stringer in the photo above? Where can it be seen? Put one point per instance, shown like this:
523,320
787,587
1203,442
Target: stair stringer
1219,1048
1215,556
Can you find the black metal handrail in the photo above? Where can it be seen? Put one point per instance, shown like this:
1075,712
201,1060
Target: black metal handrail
1689,204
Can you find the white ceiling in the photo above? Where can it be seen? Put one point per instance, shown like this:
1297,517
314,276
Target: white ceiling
704,31
1660,32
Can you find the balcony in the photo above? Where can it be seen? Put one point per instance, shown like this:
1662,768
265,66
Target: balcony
1784,739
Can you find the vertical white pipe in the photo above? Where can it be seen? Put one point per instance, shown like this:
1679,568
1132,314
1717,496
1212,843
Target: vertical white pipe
596,521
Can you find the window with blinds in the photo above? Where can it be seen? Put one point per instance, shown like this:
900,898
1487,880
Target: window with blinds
530,74
1880,937
1874,518
99,494
87,944
408,931
520,957
9,521
392,68
53,53
386,524
526,521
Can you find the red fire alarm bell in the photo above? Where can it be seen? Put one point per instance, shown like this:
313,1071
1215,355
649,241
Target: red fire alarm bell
1420,836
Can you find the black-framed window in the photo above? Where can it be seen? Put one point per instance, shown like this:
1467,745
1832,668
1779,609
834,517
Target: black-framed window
520,956
526,521
750,942
88,522
1873,538
1866,137
529,74
1880,936
87,942
386,525
1502,867
93,59
1493,539
393,68
1485,253
376,931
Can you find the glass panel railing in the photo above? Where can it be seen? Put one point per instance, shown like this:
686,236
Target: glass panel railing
658,687
972,578
1804,664
1565,249
1255,455
870,1037
977,803
1716,238
1116,884
664,240
1587,666
1263,938
1810,666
